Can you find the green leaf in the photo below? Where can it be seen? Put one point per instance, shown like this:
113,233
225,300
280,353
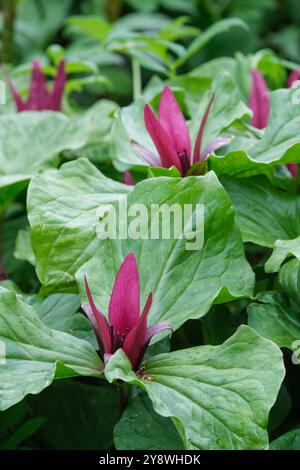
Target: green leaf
205,37
129,126
23,248
288,441
141,428
282,250
10,187
59,312
94,26
62,207
276,321
264,214
219,397
185,282
37,23
79,416
289,278
34,355
279,144
32,141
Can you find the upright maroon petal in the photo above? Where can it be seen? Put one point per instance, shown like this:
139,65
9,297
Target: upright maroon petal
128,179
38,94
98,321
163,142
197,148
293,77
134,341
55,97
293,168
259,100
124,306
172,119
20,105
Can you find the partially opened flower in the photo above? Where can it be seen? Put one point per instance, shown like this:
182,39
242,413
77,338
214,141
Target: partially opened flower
259,103
39,97
170,134
125,328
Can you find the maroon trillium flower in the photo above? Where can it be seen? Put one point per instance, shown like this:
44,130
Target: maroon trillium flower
126,328
259,103
39,98
170,134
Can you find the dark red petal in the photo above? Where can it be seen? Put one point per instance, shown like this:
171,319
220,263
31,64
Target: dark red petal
128,179
163,142
134,341
98,321
259,101
38,94
55,97
293,168
293,77
173,121
124,306
197,148
20,105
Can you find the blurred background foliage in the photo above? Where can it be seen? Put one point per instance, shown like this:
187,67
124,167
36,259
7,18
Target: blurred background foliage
106,42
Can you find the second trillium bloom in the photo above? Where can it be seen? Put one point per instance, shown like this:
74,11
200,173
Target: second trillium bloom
259,103
39,97
125,328
170,134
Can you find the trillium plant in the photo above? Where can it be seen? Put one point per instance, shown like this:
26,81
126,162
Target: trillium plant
125,328
171,136
39,97
149,228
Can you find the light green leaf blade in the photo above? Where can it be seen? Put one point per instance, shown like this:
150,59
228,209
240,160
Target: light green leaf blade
264,214
62,211
219,397
282,249
34,355
275,320
289,278
184,282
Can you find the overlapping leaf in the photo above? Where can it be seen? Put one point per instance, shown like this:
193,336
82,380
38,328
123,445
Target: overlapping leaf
218,396
184,282
32,355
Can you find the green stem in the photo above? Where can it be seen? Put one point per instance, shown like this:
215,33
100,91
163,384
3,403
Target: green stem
9,13
136,79
123,390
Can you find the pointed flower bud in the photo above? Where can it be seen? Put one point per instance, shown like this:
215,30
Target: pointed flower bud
125,328
39,98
